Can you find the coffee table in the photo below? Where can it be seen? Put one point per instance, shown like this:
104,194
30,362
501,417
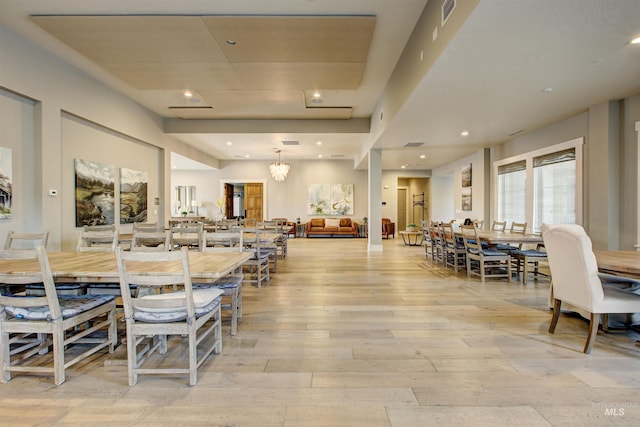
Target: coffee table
411,238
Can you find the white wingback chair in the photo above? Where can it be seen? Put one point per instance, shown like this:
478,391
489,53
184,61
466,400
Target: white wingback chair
575,279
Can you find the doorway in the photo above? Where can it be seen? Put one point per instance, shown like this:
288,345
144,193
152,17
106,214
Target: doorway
244,198
402,208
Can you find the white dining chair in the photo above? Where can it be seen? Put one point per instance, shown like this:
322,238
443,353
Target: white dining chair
152,315
575,279
230,284
71,325
484,262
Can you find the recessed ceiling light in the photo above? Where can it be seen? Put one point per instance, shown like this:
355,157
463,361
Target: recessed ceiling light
316,94
635,41
319,156
187,94
547,90
229,143
247,156
403,167
231,42
319,143
422,156
464,133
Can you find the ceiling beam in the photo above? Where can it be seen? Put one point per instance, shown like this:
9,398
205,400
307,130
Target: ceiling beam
267,126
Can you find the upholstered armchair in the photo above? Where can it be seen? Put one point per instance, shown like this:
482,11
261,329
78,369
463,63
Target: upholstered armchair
388,228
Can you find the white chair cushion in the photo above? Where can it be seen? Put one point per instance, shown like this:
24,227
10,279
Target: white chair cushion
201,299
173,316
70,305
228,281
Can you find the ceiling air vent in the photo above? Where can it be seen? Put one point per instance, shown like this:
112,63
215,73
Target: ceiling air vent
447,9
336,156
413,144
290,143
208,107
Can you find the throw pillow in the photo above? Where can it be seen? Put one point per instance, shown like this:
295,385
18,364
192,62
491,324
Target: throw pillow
332,222
317,222
345,222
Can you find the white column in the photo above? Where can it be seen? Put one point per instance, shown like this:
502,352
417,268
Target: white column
375,201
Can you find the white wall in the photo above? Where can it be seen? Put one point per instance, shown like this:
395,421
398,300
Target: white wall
83,140
446,189
286,199
390,190
44,90
442,190
17,134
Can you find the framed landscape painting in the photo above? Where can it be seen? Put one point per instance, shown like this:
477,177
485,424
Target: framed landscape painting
6,186
466,199
95,190
466,176
133,196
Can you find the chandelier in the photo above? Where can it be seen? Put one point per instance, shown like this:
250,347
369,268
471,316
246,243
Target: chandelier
279,170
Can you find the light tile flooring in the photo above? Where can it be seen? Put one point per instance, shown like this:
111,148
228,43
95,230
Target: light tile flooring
341,337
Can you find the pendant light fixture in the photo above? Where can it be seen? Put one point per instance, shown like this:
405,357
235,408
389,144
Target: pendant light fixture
279,170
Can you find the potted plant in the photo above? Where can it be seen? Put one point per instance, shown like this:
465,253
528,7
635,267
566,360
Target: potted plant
184,213
412,227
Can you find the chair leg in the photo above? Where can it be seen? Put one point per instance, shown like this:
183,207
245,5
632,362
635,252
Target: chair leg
593,331
58,354
556,315
4,347
234,310
218,332
132,357
193,354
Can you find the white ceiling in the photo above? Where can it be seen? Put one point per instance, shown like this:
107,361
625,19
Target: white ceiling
489,80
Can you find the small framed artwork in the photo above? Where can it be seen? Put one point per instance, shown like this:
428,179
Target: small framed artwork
466,199
466,176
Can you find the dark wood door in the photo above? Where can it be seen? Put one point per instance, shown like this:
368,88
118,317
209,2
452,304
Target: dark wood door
228,196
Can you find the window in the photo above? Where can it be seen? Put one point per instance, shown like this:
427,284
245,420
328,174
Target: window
543,186
554,188
512,192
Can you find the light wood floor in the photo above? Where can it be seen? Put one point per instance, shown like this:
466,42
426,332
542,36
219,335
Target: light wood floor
341,337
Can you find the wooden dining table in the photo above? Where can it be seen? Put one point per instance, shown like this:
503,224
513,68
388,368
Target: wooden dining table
621,263
101,267
494,237
250,238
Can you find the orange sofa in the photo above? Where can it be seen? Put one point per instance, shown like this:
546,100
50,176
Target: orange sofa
332,227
